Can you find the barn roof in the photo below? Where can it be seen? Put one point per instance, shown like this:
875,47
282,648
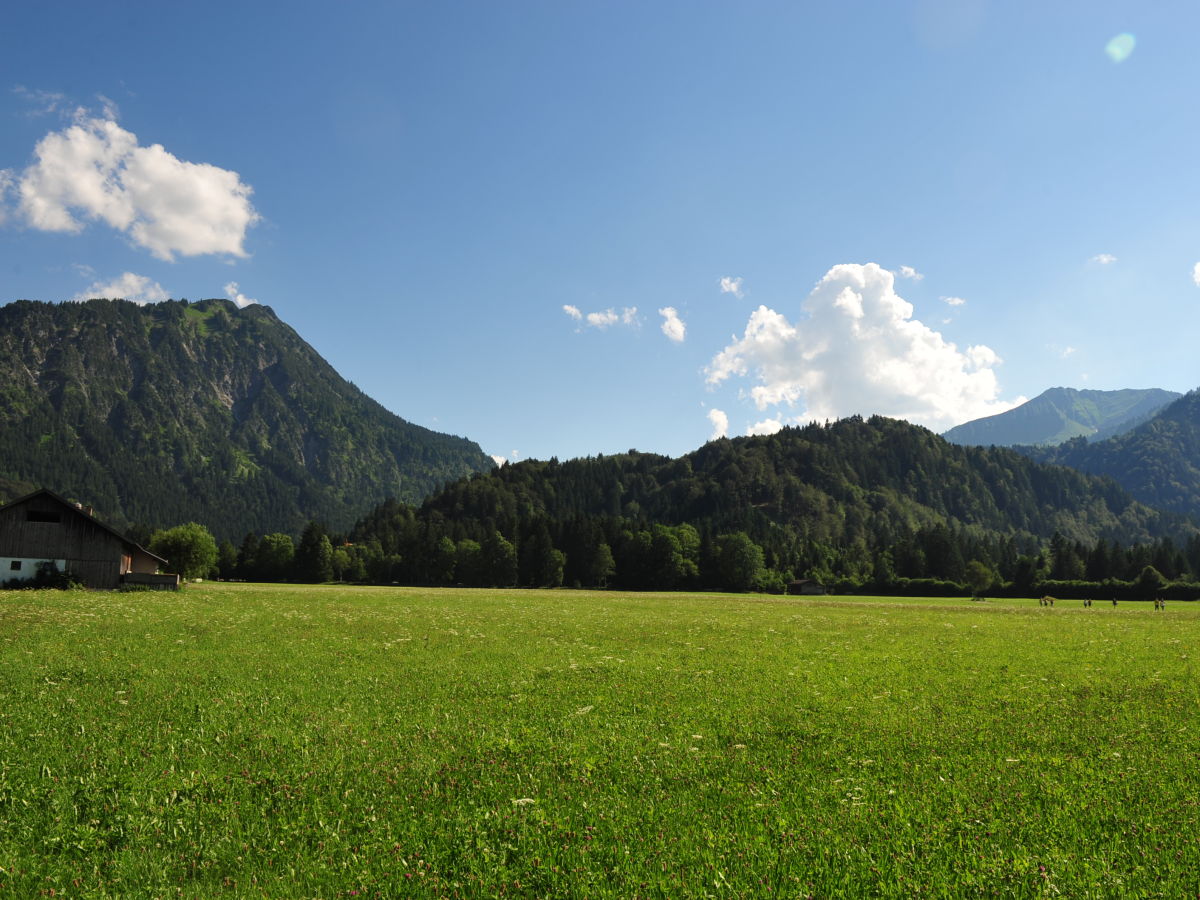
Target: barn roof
45,492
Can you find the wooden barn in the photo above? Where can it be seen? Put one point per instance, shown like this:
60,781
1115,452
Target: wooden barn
806,586
44,527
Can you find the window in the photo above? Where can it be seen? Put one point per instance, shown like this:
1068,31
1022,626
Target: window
41,515
15,566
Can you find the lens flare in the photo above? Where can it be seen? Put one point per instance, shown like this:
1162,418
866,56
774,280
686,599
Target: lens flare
1119,48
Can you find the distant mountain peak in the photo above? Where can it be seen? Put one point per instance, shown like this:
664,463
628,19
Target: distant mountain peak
1062,413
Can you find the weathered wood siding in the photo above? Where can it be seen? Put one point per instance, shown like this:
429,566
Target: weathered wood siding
42,528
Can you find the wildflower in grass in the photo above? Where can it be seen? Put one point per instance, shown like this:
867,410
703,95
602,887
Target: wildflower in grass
523,801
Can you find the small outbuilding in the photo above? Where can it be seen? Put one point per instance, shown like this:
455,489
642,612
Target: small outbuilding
43,527
806,586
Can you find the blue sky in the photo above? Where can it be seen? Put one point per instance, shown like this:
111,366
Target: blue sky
568,228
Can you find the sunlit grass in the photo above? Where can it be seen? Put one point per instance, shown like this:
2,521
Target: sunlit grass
295,741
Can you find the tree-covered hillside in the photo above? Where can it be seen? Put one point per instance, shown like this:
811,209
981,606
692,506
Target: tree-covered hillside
858,500
170,412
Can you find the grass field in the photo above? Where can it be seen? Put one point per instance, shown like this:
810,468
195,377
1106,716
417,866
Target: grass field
252,740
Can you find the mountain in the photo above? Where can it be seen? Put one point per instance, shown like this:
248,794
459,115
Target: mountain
1158,462
1060,414
178,411
841,498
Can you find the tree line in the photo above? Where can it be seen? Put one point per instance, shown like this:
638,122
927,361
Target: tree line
858,505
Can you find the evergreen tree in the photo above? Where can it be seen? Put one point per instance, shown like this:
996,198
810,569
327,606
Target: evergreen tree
499,559
227,558
275,555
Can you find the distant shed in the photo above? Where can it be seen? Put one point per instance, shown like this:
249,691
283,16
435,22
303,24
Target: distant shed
806,586
44,527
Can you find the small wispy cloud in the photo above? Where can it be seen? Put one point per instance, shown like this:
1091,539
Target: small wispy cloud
732,286
910,273
41,103
232,292
1196,274
129,286
1067,351
603,318
954,301
672,326
6,184
1103,259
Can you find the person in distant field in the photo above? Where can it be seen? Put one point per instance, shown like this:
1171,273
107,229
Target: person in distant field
1114,601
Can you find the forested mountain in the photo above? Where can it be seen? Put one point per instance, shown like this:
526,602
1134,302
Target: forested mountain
1060,414
857,500
178,411
1158,462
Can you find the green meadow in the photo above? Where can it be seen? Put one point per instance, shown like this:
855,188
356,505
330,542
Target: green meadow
283,741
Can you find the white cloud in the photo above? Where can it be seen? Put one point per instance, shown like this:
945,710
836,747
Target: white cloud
1196,274
954,301
859,350
732,286
607,317
766,426
572,311
95,170
910,272
602,319
136,288
720,424
498,460
1067,351
672,326
232,292
1103,259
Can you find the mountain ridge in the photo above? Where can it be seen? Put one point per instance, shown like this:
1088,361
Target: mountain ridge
173,411
1158,461
1059,414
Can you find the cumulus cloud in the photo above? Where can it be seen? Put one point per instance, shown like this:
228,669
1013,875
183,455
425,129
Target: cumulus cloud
720,424
672,325
1196,274
498,460
136,288
859,350
910,272
954,301
232,292
572,311
1103,259
732,286
95,170
766,426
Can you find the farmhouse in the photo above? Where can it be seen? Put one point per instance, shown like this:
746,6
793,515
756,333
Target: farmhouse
44,527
